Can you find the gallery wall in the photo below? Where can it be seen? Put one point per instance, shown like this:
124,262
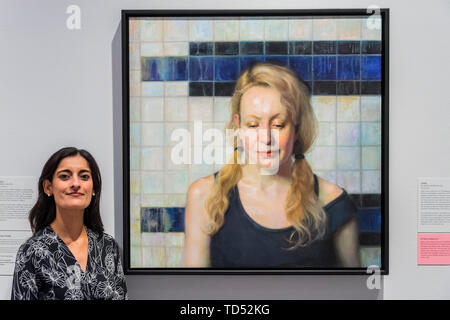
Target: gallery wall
62,87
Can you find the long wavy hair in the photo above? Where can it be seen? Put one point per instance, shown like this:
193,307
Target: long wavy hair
303,208
44,211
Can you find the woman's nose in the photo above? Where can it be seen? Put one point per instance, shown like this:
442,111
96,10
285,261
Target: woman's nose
76,182
265,135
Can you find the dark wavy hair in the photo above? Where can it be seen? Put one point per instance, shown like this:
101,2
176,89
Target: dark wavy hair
44,211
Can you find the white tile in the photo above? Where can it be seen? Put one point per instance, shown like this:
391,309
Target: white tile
251,30
371,181
349,29
151,30
201,30
152,158
348,158
350,181
154,257
276,30
324,107
136,257
370,108
371,28
134,27
174,239
348,133
153,239
348,108
222,109
176,30
135,83
327,134
176,109
152,200
176,182
200,108
152,109
323,158
152,49
176,49
152,182
135,182
175,200
324,29
152,88
371,158
135,57
226,30
135,109
152,134
300,29
174,257
176,88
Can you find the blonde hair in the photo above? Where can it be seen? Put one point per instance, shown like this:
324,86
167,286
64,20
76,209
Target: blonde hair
302,206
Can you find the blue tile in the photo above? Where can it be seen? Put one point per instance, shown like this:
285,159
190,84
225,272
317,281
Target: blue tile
302,65
201,48
369,220
177,69
152,219
154,69
174,220
226,69
251,48
349,67
246,62
371,68
324,67
201,68
280,60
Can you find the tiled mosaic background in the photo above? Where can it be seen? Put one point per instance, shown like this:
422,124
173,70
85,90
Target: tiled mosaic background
183,69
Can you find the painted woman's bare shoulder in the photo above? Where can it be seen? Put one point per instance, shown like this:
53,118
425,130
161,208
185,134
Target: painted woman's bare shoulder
201,188
328,191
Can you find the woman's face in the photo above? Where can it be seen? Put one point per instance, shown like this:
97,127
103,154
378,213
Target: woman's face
72,184
266,128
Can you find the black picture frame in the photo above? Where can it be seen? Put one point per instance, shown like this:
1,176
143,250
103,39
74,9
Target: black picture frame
383,236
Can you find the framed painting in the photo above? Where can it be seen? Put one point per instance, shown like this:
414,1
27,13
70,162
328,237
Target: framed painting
184,77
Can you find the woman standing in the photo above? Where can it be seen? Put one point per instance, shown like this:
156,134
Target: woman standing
69,256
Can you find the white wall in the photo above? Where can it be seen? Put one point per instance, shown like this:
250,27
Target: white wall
61,87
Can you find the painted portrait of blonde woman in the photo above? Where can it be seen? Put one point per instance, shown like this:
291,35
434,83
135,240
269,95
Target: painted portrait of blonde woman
247,215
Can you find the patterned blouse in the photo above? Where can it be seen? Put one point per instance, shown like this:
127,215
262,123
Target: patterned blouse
47,270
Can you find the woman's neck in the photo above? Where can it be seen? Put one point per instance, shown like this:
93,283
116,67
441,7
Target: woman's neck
68,224
255,175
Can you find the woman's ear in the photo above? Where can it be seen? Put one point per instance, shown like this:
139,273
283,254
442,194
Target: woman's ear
236,120
47,185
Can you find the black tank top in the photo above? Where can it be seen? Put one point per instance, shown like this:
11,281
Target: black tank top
243,243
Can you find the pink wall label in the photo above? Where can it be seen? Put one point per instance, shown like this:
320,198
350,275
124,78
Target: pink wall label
433,248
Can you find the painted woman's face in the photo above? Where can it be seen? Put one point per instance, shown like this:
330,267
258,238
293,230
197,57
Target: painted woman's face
72,184
267,131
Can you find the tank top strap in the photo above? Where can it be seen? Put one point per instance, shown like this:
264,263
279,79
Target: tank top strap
316,185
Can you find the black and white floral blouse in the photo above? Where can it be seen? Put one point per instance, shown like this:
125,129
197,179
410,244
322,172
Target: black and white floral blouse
46,269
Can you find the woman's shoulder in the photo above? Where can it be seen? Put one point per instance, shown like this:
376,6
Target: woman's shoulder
201,187
328,191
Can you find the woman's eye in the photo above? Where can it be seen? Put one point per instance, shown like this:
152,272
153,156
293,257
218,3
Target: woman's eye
252,125
85,177
64,176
